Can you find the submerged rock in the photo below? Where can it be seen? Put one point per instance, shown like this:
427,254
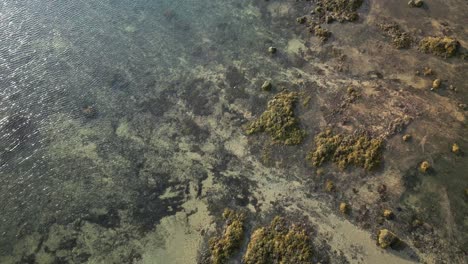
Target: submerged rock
279,120
341,10
386,238
224,246
89,111
440,46
279,242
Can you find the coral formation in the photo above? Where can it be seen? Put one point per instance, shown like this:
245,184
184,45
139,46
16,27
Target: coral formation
440,46
279,242
400,39
222,247
361,150
386,238
279,120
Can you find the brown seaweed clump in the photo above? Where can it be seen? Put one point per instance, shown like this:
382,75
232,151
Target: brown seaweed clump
400,39
341,10
279,120
223,247
279,242
361,151
440,46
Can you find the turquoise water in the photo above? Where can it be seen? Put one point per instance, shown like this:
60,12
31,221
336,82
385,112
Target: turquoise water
121,122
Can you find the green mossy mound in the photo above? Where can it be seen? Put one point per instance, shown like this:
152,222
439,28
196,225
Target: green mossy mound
440,46
361,151
279,243
279,120
224,246
341,10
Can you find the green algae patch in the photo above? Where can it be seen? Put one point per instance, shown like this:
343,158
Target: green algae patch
279,242
440,46
345,150
279,120
224,246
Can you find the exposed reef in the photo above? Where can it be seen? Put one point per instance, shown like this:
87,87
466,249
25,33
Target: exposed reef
224,246
345,150
440,46
279,242
279,120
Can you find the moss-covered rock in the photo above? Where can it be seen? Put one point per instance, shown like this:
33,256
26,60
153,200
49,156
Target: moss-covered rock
322,33
456,148
223,247
386,238
440,46
400,39
344,208
341,10
388,214
406,137
425,166
345,150
279,242
329,186
279,120
436,84
266,86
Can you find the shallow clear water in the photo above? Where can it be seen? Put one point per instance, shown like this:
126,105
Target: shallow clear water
121,124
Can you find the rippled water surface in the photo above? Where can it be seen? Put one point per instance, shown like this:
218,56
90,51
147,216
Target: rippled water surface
121,125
